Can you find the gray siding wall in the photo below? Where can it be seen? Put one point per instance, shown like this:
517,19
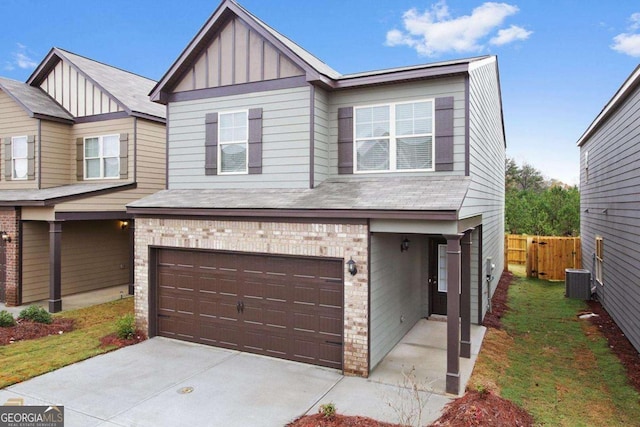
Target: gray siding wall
321,134
286,124
612,183
396,290
452,86
486,161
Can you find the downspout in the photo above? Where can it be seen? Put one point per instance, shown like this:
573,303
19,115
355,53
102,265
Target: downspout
135,149
39,154
312,135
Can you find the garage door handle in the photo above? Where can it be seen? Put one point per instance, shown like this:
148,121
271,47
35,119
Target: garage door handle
334,342
240,307
166,316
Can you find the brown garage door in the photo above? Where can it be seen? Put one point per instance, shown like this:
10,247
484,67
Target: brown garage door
278,306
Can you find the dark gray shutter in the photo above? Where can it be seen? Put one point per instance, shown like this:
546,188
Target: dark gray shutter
31,157
444,133
80,159
124,155
8,168
211,144
345,140
255,141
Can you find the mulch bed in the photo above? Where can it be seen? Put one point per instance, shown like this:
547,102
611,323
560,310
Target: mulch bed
113,340
319,420
618,342
27,330
498,302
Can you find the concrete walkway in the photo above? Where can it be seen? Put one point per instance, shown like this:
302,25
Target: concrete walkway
163,382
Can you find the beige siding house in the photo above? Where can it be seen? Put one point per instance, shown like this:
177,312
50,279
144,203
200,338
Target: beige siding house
316,216
80,140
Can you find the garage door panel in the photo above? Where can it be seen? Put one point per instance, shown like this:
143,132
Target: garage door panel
292,307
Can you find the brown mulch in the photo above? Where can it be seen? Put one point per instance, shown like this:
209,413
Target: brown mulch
483,409
618,342
113,340
27,330
319,420
498,302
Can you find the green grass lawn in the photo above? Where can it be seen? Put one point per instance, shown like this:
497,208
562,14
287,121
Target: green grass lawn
26,359
556,366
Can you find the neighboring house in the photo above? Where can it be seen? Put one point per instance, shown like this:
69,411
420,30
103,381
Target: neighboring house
610,206
80,140
315,216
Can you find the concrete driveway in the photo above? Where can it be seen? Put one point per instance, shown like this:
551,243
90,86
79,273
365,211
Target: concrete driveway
163,382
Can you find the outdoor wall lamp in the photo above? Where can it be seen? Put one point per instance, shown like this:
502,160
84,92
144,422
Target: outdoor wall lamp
404,246
351,265
5,236
124,224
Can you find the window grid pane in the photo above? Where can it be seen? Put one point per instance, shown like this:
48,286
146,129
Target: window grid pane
394,137
102,157
234,158
20,168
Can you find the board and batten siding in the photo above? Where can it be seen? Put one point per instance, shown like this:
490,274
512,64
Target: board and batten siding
14,121
285,140
486,162
95,255
77,94
57,165
397,287
150,168
321,136
403,92
610,208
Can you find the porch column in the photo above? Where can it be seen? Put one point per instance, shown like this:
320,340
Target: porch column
453,313
55,266
465,296
132,255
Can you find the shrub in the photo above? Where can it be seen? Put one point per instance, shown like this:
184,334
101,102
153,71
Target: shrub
36,314
6,319
328,410
126,327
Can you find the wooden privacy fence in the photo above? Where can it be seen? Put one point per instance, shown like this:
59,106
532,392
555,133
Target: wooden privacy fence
545,257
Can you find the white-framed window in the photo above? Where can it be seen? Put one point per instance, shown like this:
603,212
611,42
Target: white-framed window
233,136
394,137
102,157
599,259
442,268
19,157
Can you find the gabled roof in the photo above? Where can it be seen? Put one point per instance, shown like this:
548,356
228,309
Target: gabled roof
34,101
316,70
410,197
127,89
631,84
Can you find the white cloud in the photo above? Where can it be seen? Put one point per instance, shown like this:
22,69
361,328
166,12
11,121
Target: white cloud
628,42
435,31
509,35
20,59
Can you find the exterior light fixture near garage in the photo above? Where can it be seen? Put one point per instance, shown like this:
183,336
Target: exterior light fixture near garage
5,236
124,224
351,265
404,246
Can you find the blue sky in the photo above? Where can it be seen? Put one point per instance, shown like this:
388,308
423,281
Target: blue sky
560,61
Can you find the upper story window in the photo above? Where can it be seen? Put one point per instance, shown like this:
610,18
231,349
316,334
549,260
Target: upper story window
599,259
102,157
233,142
19,157
394,137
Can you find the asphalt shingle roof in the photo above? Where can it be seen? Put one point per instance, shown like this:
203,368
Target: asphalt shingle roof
50,194
408,194
33,99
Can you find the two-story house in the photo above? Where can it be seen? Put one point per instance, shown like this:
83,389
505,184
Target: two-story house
315,216
610,205
80,140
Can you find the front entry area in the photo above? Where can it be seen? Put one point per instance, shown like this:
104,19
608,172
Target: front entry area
437,276
280,306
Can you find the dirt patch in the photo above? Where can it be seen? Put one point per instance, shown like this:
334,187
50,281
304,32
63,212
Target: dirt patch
483,409
618,342
498,302
319,420
27,330
112,340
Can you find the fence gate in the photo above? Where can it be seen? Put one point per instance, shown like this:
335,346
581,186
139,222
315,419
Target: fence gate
548,257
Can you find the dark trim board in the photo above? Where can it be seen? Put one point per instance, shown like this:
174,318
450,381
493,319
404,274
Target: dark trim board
297,220
102,117
92,216
295,213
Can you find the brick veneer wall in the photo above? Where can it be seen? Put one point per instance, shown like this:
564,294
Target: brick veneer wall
10,223
303,239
